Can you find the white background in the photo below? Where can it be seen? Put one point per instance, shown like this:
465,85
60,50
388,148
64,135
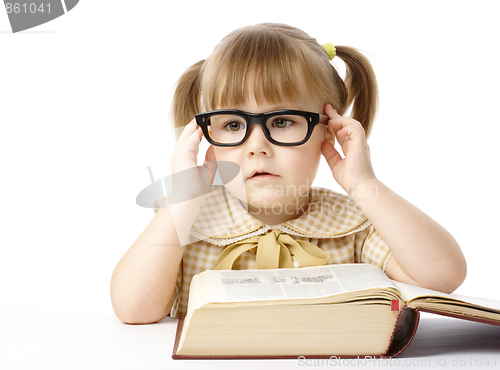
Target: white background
84,104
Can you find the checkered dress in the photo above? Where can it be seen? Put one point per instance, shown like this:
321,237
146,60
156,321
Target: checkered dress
332,222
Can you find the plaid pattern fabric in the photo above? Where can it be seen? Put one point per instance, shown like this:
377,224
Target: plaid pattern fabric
332,222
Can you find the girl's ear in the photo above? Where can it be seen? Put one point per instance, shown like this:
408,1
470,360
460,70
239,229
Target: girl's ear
329,135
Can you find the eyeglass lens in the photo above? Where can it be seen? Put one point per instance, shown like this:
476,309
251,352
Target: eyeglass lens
230,129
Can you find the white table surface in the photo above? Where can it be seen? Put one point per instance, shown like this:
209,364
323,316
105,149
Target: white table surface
49,339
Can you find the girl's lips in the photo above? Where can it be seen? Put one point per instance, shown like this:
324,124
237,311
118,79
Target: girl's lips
263,177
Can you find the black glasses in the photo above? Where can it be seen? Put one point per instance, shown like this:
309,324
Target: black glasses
282,127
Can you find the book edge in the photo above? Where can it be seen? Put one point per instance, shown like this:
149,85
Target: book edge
180,324
462,317
386,354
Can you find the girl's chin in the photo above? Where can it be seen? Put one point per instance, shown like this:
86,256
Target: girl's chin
272,203
268,197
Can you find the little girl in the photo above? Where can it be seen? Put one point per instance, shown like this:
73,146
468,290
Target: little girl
279,78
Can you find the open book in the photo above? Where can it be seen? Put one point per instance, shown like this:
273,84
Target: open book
344,310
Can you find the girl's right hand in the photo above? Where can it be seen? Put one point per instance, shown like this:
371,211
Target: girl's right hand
189,180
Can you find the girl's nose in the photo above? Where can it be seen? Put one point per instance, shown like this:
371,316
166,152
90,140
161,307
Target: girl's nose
257,141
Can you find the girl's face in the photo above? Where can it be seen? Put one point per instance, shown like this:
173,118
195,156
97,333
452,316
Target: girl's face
284,195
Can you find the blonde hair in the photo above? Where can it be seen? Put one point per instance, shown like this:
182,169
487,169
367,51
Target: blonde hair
267,59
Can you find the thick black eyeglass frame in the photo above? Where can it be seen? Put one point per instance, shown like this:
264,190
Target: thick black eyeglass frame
313,119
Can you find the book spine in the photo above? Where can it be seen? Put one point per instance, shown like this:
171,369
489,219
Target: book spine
404,331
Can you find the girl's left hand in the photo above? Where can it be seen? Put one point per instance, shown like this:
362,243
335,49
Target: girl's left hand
356,167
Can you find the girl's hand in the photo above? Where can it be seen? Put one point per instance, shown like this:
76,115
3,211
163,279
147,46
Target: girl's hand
356,167
190,181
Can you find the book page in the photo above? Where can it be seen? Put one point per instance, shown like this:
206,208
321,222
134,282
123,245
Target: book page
291,283
409,292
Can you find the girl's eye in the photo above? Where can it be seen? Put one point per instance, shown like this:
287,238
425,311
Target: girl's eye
282,122
233,126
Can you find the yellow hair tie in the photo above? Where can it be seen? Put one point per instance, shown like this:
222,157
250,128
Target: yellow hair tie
330,50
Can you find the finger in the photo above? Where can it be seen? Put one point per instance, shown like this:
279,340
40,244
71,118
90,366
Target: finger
195,136
188,130
335,119
351,129
338,123
330,112
190,144
345,135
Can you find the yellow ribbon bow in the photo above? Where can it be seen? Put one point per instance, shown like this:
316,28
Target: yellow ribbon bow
273,250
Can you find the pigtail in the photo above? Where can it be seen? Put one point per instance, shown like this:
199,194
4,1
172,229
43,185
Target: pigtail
187,97
339,101
361,86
